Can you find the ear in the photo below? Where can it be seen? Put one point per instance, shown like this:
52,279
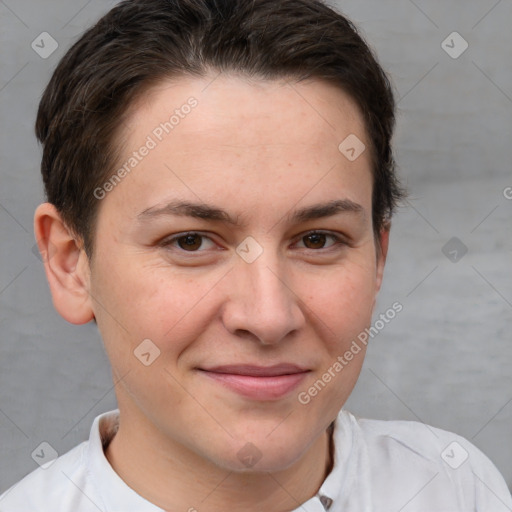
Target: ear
382,252
66,265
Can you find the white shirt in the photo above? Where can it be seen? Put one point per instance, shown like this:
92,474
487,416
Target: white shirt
379,466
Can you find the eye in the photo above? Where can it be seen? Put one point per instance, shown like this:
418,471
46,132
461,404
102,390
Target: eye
197,242
189,242
317,240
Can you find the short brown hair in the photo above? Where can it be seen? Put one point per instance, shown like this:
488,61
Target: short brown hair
140,42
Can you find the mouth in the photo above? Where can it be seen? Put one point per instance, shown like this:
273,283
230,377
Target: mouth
257,382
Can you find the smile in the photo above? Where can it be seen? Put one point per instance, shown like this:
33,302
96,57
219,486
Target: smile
258,382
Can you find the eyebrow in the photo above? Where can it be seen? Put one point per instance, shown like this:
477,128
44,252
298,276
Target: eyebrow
213,213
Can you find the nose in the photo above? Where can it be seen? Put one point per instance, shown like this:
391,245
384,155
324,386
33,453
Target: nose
262,305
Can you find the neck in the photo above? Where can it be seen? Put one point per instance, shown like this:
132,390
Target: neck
174,478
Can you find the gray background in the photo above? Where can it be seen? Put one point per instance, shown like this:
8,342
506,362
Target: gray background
444,360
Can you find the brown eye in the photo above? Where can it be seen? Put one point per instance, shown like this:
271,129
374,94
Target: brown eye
314,240
190,242
317,240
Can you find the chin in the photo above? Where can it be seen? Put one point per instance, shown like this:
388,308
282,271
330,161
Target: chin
260,454
262,461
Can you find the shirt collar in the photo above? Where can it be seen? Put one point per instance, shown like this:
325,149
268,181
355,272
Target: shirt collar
119,496
116,494
342,443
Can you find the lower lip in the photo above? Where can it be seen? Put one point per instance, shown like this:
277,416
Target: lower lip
259,388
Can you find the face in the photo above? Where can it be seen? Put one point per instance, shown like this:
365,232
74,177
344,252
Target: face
248,298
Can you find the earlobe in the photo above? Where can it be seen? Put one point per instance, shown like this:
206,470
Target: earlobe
66,265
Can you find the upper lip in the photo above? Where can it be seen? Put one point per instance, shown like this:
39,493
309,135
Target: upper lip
257,371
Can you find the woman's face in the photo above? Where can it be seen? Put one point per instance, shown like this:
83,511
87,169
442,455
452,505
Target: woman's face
234,262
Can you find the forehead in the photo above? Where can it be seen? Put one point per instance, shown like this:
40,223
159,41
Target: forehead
243,141
241,104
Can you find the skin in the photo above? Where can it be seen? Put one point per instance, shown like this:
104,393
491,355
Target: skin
260,150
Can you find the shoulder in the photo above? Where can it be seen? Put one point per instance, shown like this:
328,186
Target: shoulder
61,484
416,453
430,443
425,440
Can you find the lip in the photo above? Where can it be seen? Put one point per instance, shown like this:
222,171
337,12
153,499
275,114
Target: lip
258,382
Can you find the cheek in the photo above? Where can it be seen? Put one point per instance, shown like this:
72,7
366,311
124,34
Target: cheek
342,300
139,299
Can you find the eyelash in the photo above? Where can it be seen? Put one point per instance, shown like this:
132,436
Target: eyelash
338,241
